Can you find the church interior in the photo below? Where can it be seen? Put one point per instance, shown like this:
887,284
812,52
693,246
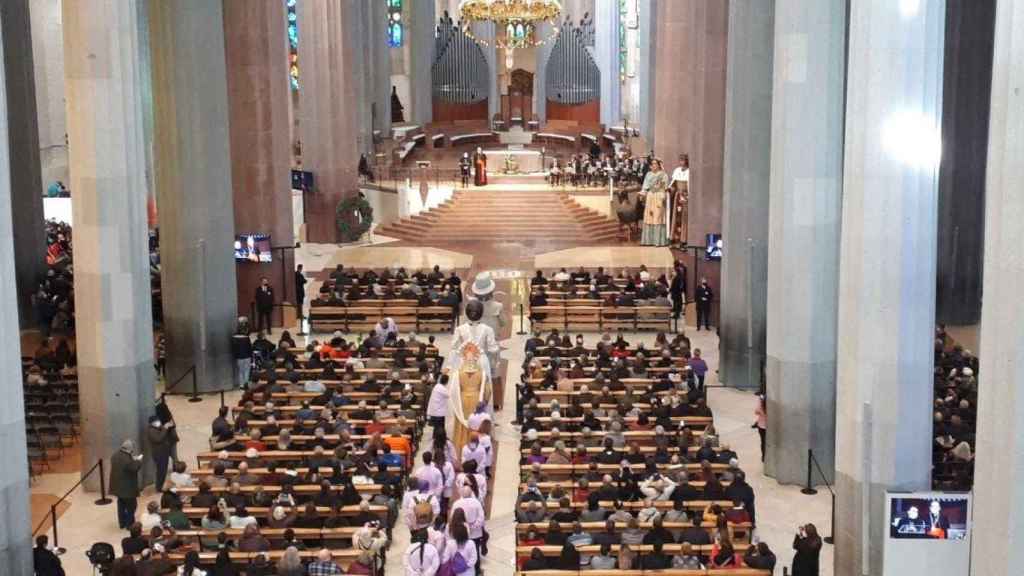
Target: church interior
503,287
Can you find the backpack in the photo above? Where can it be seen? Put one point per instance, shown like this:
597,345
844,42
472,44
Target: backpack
423,511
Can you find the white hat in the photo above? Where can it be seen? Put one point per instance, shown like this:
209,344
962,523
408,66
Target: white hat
484,284
968,372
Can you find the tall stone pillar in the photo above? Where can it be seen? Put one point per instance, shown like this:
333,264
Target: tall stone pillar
380,64
803,249
647,66
328,122
691,35
194,189
748,136
113,313
256,53
886,269
998,486
23,142
15,538
421,36
967,83
606,48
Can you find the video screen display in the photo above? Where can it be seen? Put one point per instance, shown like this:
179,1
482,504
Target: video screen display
252,248
939,517
713,249
302,180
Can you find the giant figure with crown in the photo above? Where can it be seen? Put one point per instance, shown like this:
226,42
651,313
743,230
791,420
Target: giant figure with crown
473,358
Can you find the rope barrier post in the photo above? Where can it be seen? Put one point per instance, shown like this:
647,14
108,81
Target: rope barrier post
195,387
808,489
103,500
522,322
53,520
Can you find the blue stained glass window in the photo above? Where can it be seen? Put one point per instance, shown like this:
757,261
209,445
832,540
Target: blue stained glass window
396,30
293,44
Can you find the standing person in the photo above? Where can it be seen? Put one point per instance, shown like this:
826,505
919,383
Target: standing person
300,290
124,482
761,412
808,547
264,305
680,186
159,437
678,290
465,167
45,562
699,367
479,167
437,407
704,297
655,229
241,351
422,558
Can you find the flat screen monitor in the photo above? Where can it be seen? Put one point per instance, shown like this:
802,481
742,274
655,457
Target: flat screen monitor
302,180
713,249
253,248
935,516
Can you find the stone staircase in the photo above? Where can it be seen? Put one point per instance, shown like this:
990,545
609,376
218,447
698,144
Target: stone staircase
506,216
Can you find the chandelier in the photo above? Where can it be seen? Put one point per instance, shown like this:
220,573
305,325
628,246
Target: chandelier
518,19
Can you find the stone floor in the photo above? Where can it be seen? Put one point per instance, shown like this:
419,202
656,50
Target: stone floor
780,508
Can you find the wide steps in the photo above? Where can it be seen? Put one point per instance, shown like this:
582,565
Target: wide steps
497,216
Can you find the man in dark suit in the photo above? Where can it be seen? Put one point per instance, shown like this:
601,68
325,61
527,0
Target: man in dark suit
46,563
704,297
300,289
678,290
264,304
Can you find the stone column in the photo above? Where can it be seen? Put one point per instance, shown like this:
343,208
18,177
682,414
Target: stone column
647,66
421,40
328,122
194,189
606,49
15,539
748,135
256,53
23,141
380,65
887,269
1000,432
691,35
540,79
113,312
967,84
803,249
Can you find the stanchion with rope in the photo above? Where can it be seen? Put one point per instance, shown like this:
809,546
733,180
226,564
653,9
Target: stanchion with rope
522,322
103,499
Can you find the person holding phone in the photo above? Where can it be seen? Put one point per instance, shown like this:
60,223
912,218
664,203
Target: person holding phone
807,544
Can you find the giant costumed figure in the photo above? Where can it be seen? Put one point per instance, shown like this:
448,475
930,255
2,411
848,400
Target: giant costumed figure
473,358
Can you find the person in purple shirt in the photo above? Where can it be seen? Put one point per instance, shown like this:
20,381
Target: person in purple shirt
699,367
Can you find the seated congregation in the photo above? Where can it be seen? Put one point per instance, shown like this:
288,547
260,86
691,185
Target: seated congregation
621,467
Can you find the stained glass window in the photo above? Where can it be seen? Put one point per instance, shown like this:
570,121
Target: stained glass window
623,48
396,31
293,44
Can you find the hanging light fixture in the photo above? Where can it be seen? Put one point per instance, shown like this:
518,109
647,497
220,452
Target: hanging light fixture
518,19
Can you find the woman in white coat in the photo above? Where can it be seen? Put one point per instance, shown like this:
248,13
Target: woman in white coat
462,546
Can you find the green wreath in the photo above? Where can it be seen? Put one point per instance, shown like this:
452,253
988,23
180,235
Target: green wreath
353,216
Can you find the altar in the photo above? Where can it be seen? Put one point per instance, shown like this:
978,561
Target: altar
518,161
